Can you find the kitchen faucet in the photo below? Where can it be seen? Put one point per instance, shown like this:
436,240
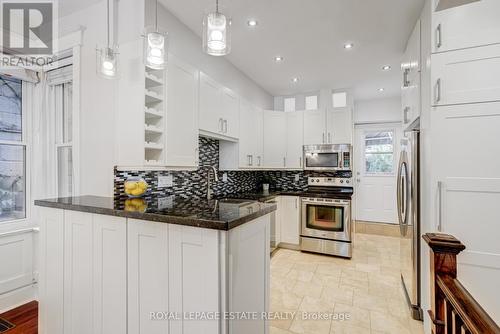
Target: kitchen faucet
210,192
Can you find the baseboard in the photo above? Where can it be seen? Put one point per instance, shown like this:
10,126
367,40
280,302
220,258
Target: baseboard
288,246
18,297
388,230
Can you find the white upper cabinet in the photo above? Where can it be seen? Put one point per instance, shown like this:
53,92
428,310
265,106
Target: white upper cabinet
210,105
295,138
230,113
182,114
247,134
339,126
471,25
466,76
218,110
258,137
410,91
275,139
314,127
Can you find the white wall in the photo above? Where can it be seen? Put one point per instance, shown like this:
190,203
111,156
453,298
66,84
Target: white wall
377,111
186,45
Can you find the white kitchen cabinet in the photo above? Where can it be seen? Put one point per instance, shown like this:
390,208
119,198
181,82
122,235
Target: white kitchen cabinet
210,105
218,109
466,76
275,139
258,139
410,91
471,25
230,113
295,139
314,127
148,279
182,114
290,220
339,126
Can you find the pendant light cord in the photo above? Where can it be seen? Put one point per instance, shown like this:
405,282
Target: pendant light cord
156,17
107,17
217,6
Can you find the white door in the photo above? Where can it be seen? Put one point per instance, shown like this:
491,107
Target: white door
230,113
182,114
295,138
275,139
466,26
314,127
209,111
376,150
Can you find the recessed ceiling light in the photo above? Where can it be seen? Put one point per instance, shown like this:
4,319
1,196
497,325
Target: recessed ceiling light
386,67
278,59
381,90
252,23
348,46
295,80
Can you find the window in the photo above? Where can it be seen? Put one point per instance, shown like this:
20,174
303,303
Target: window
379,152
339,99
312,102
64,139
289,103
12,151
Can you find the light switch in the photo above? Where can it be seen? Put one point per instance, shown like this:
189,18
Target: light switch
165,202
165,181
224,177
297,177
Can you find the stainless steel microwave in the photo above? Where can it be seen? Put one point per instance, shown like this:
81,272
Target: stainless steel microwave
330,157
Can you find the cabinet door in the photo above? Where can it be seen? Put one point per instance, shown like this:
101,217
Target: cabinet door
193,266
230,116
147,276
78,287
210,105
314,127
290,220
182,114
51,276
466,76
411,78
295,138
472,25
110,274
247,133
258,137
339,126
275,139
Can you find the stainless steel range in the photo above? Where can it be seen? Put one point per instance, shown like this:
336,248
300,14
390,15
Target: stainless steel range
326,217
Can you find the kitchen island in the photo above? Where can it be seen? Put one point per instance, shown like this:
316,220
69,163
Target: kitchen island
150,266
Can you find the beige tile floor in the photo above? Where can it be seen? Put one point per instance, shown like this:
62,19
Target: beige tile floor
367,288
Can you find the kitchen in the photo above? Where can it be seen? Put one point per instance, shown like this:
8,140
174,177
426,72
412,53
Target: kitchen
283,158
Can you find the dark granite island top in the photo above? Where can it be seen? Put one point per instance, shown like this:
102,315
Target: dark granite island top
222,214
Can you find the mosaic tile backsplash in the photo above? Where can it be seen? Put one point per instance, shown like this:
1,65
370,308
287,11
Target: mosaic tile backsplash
192,184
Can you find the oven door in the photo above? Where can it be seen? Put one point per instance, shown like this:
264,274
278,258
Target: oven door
326,218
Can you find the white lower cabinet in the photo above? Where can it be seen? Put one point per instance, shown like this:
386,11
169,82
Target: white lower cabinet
290,219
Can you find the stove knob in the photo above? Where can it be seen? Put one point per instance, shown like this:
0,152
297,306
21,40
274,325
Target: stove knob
346,181
341,181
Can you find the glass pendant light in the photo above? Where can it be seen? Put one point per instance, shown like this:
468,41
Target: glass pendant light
216,33
155,47
107,58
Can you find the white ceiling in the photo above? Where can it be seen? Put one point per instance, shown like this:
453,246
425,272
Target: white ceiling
310,35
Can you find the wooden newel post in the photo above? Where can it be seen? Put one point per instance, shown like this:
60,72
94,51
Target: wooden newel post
443,252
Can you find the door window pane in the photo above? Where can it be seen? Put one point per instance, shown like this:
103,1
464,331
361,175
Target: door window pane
10,109
379,152
12,182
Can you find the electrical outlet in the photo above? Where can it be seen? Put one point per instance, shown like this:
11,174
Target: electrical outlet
165,181
224,177
165,202
297,177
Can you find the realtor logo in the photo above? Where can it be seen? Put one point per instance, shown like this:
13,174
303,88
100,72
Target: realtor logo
28,27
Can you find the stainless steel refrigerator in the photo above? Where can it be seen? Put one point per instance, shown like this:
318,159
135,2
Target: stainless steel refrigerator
408,203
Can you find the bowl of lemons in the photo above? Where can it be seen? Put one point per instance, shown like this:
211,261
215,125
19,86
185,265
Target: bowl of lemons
135,187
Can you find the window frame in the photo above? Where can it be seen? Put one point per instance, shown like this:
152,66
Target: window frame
26,143
380,174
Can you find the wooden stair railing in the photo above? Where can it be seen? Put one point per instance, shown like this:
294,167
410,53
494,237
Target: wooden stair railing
453,309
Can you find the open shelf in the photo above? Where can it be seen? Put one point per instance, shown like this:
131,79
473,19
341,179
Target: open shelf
154,117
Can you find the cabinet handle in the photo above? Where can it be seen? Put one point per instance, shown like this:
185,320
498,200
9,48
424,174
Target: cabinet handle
225,126
249,160
221,125
323,138
437,96
440,212
296,203
329,138
259,161
439,41
284,162
300,161
406,82
405,115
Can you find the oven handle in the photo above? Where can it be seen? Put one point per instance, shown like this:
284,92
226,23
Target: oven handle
343,202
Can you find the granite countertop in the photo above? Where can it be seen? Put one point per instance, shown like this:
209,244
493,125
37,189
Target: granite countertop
221,214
